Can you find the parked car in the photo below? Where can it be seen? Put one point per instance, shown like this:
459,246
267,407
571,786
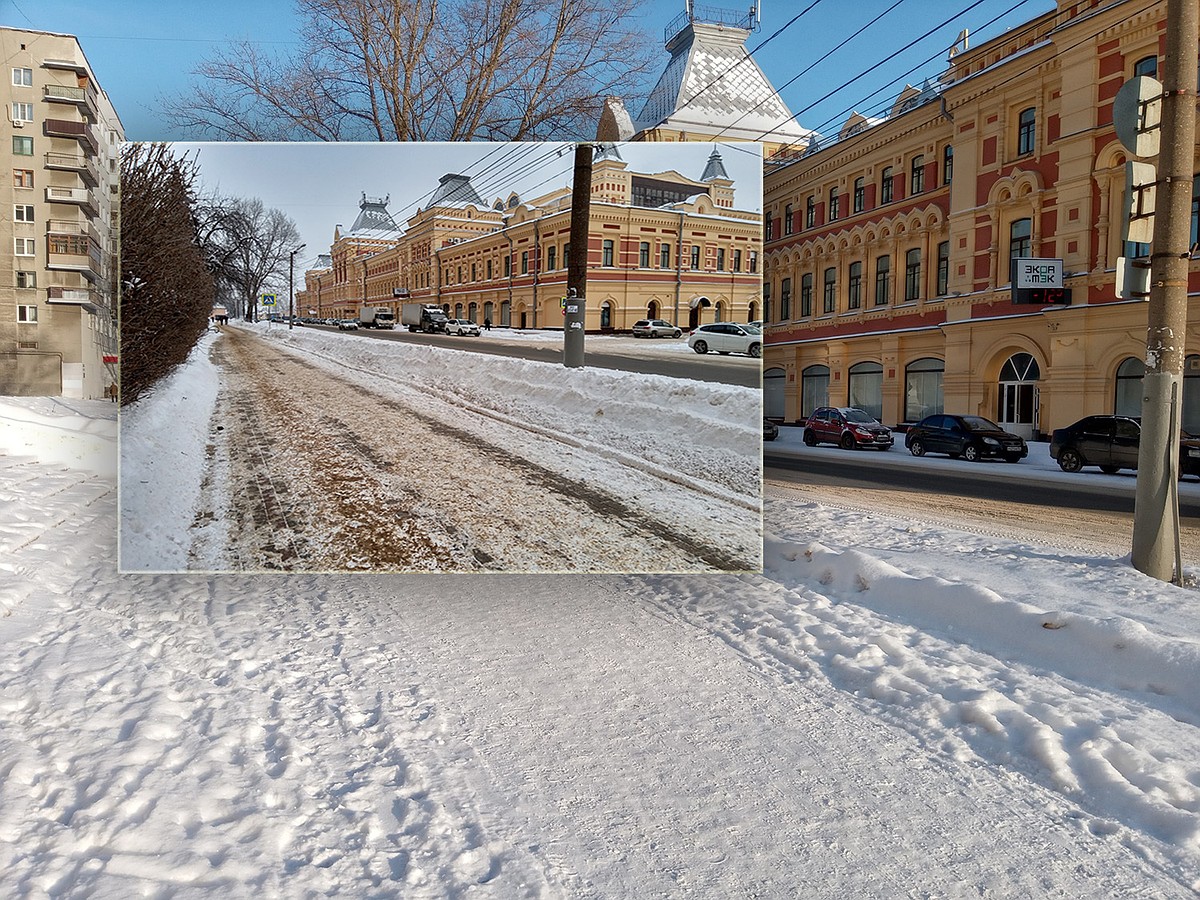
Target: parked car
770,430
1111,444
726,337
348,325
971,437
655,328
461,326
846,426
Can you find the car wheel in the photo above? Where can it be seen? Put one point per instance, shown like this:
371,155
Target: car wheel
917,447
700,347
1070,461
756,351
848,442
809,437
1013,458
971,453
1110,470
677,333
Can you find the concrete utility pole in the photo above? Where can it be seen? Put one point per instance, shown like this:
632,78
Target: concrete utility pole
576,303
1156,510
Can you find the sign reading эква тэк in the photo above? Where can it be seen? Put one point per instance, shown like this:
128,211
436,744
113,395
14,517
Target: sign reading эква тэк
1039,281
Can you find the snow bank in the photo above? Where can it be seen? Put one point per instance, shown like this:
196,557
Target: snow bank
81,434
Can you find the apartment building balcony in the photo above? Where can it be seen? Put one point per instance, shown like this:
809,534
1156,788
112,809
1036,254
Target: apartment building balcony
75,162
86,298
74,228
82,97
80,131
81,197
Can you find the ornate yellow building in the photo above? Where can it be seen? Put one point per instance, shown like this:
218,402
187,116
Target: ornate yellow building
661,246
888,249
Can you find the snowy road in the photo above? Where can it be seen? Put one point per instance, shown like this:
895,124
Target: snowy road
318,465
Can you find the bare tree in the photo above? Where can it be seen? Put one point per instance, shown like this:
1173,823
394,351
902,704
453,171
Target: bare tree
424,70
166,290
247,247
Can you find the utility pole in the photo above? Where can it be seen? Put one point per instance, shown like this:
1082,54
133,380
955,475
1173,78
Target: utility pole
291,279
1156,509
575,319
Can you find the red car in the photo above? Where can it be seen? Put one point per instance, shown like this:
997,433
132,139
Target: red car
846,426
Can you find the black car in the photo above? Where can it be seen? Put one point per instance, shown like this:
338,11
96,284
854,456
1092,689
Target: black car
770,430
1111,444
971,437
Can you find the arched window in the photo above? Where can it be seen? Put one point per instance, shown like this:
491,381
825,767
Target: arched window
923,389
866,387
814,389
1128,399
606,315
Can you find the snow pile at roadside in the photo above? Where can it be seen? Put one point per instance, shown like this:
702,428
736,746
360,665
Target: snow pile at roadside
686,426
167,439
77,433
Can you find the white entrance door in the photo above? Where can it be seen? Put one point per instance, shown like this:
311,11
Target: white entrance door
1019,395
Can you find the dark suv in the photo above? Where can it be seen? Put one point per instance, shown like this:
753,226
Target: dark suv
1111,444
847,427
971,437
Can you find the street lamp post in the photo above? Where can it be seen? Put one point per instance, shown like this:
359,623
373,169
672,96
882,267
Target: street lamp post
291,288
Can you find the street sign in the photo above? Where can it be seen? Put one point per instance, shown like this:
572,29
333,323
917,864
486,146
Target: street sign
1137,115
268,299
1038,281
1133,278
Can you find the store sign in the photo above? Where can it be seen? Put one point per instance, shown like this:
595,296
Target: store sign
1038,281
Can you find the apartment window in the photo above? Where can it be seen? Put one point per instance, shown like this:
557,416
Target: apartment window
507,266
1195,211
22,77
22,112
489,277
768,223
1147,65
947,163
22,146
695,256
1026,131
912,274
806,295
917,181
810,212
23,178
606,253
664,256
473,275
787,219
566,255
854,286
785,300
644,254
27,314
830,295
943,268
22,212
766,301
737,260
860,194
23,246
883,271
26,279
1020,235
551,253
753,261
460,278
833,203
720,259
524,262
885,185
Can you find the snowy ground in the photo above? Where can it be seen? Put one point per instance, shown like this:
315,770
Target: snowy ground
308,450
891,709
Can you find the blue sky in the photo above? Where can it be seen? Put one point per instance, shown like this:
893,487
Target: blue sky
143,51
